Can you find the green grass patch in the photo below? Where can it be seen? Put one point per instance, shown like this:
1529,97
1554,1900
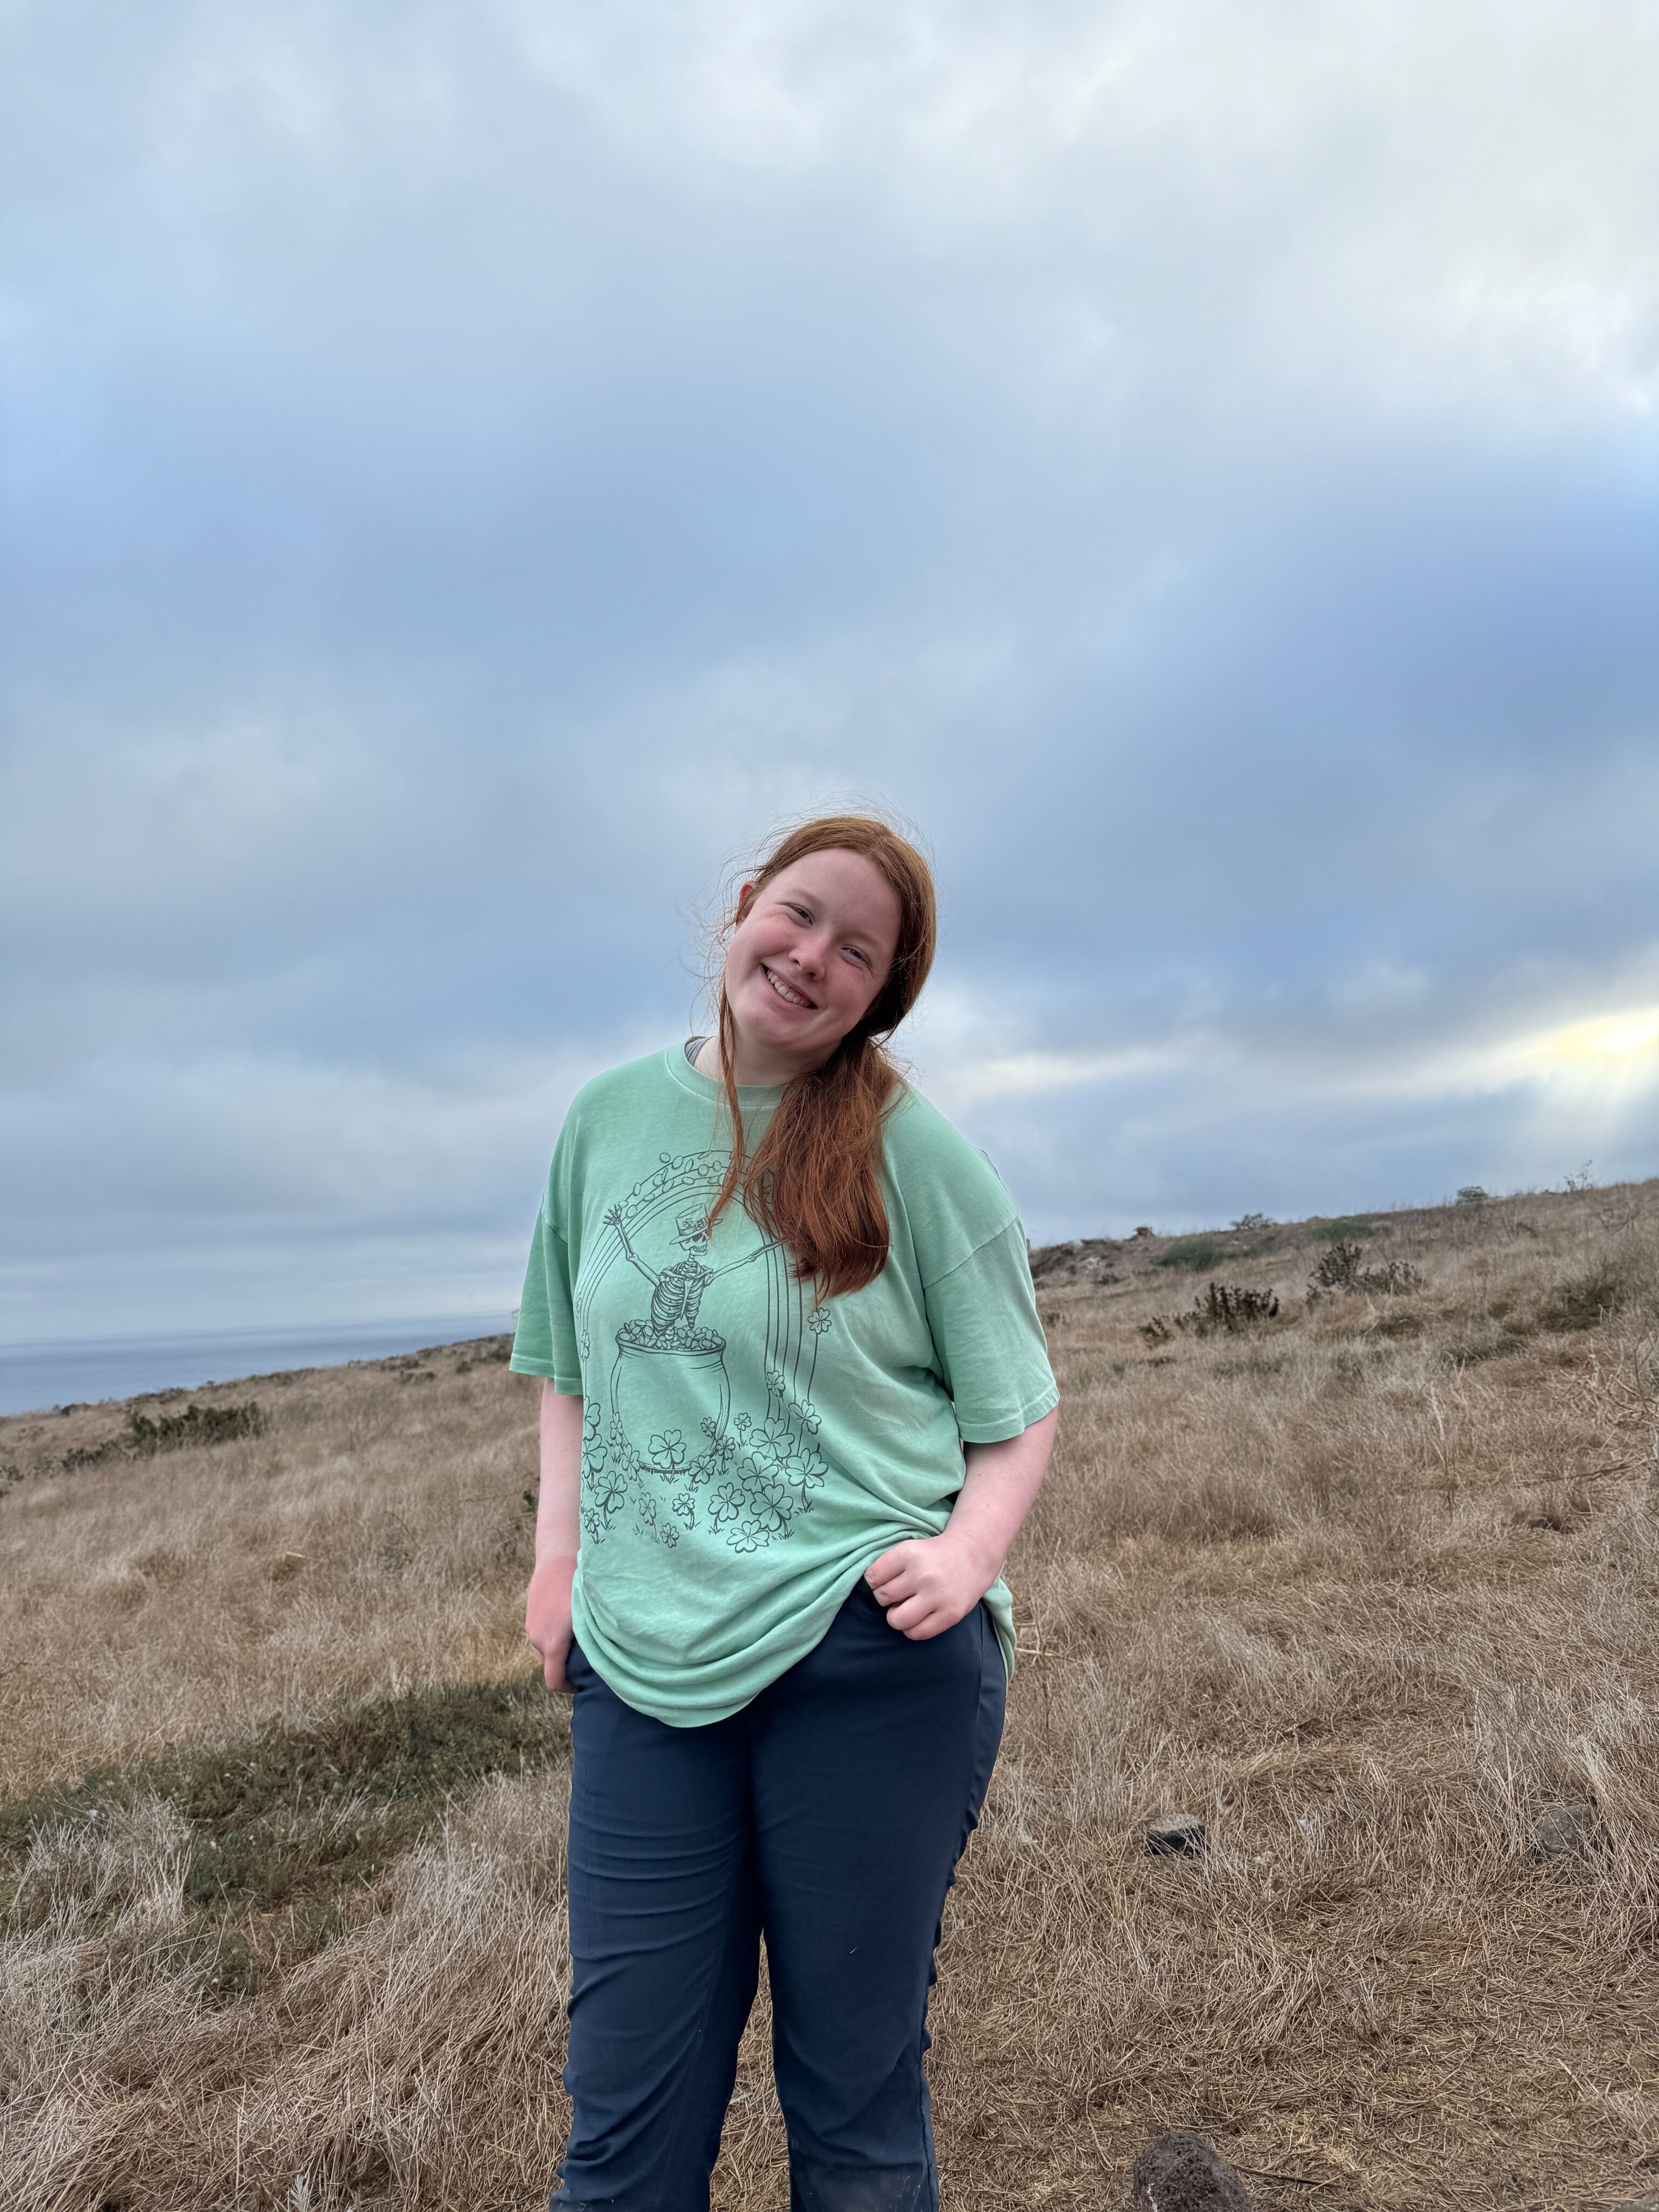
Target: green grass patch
305,1820
1193,1252
197,1424
1349,1226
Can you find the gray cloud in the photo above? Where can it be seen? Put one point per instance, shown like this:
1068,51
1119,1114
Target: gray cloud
469,471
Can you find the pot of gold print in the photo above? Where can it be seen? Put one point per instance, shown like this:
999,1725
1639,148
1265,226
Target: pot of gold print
669,1394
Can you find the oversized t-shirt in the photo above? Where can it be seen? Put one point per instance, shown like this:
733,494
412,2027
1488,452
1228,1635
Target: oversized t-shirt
747,1451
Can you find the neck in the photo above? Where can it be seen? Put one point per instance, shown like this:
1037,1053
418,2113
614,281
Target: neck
753,1064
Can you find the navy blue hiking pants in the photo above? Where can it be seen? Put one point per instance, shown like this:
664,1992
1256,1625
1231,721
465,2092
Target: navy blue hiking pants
826,1817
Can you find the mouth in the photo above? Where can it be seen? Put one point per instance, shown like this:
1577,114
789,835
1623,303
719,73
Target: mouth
790,996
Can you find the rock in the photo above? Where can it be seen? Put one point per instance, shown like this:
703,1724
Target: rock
1176,1836
1085,1259
1180,2172
1566,1828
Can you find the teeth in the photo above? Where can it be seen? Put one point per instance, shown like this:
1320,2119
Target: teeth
790,998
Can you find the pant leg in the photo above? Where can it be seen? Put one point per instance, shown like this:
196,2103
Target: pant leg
870,1760
665,1945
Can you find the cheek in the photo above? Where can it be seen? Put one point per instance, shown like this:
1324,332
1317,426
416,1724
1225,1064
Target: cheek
857,992
739,962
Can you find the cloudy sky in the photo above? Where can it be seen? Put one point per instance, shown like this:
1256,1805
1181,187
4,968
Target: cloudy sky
468,470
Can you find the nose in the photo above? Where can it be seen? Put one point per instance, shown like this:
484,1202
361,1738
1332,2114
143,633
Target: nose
811,953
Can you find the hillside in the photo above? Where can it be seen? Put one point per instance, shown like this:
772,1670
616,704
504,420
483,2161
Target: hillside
1365,1583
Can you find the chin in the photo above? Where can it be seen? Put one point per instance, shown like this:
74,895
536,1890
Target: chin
784,1033
763,1011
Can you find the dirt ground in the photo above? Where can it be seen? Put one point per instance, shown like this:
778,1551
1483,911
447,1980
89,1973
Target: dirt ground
1366,1585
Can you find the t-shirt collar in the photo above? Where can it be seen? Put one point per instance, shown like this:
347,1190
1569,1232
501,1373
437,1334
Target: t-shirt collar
750,1095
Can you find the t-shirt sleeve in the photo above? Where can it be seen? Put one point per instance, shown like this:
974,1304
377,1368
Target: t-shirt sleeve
992,1356
544,1342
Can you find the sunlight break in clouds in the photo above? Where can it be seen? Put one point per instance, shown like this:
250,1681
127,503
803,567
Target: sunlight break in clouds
1605,1055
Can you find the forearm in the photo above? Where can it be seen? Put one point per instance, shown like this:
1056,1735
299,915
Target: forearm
928,1584
558,1509
558,1526
998,1490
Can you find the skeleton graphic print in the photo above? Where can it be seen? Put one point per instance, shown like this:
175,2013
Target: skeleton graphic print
667,1445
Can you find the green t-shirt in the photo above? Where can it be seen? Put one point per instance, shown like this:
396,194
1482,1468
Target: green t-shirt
745,1455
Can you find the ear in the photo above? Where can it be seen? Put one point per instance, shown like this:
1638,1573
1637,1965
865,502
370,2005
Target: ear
745,899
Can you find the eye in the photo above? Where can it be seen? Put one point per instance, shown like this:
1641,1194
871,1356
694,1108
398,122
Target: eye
799,910
859,955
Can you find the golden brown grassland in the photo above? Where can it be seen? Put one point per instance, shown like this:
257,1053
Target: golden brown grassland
1367,1587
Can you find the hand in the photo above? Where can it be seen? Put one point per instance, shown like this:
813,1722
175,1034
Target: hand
547,1618
930,1584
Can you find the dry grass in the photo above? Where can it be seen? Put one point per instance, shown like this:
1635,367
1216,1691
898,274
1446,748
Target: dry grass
1364,1587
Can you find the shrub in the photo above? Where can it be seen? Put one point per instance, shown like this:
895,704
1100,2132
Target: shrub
1471,1193
1391,1280
1255,1221
1342,1268
1228,1307
1587,1300
197,1424
80,1455
1339,1269
1233,1308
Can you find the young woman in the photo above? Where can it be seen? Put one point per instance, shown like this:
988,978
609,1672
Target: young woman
795,1405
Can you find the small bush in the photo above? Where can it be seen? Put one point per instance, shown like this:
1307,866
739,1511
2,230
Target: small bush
1233,1308
1391,1280
1224,1307
1255,1221
1342,1268
1470,1193
197,1424
1587,1300
80,1455
1339,1269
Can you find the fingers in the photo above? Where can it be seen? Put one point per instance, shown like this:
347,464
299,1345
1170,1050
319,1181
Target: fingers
552,1647
895,1591
926,1612
889,1568
924,1618
915,1582
906,1614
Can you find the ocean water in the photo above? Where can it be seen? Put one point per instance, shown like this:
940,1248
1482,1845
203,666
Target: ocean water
35,1377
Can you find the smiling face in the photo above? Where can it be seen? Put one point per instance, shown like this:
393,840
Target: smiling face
806,961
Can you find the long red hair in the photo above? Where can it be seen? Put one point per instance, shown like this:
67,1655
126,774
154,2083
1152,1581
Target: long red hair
814,1178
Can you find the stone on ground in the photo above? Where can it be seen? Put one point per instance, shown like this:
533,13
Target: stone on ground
1566,1828
1180,2172
1176,1836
